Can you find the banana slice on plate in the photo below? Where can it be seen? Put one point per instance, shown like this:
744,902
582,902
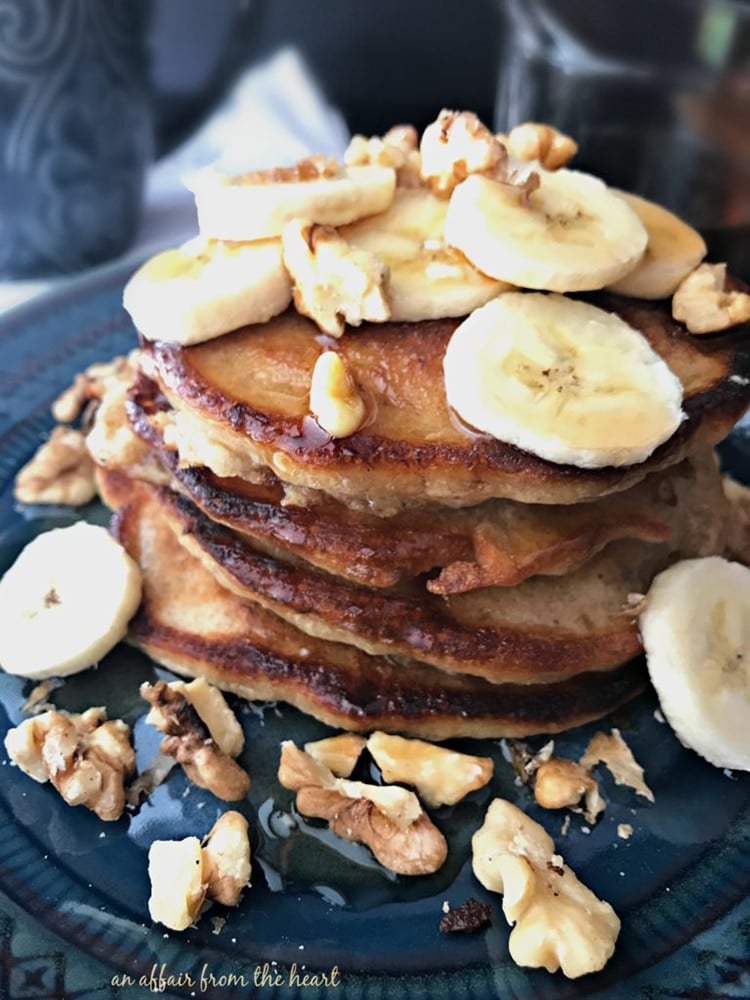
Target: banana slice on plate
427,278
562,379
66,601
695,628
674,249
571,234
258,205
206,288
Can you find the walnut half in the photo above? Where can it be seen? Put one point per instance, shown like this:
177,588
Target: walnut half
60,472
87,759
188,739
536,141
703,303
561,783
334,282
388,819
335,401
440,776
185,873
558,922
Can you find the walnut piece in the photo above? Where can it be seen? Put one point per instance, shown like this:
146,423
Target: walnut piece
458,144
111,441
455,145
178,885
188,739
60,472
89,385
387,819
560,783
212,707
535,141
335,401
440,776
523,759
334,282
226,858
612,751
338,753
703,303
558,922
186,874
87,759
398,148
310,168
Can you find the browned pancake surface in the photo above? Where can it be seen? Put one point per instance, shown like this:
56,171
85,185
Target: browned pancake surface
543,630
191,624
495,543
250,389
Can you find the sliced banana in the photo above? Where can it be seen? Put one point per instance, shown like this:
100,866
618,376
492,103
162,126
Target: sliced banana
66,601
428,279
257,206
695,628
571,234
206,288
561,379
674,249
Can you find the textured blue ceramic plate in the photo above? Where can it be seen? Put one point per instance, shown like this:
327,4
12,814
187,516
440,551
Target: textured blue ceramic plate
680,883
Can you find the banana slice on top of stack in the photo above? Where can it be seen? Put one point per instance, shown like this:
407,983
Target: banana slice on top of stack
571,234
562,379
428,279
469,231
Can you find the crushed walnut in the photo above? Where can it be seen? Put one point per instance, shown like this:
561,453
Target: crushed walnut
387,819
310,168
612,751
87,758
89,385
524,761
334,282
335,400
455,145
178,888
188,739
111,440
338,753
704,304
398,148
543,143
186,875
440,776
558,923
226,858
560,783
61,471
458,144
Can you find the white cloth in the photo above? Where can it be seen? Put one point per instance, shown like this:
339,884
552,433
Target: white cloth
274,114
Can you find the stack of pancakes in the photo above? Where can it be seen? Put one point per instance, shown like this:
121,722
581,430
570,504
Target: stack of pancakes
415,576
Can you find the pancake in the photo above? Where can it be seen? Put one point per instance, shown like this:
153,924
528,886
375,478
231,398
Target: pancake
495,543
540,631
192,625
242,405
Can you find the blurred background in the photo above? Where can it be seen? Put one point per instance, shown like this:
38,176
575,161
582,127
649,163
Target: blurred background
93,92
656,92
380,63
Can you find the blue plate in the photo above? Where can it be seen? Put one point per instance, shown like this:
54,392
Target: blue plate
321,920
